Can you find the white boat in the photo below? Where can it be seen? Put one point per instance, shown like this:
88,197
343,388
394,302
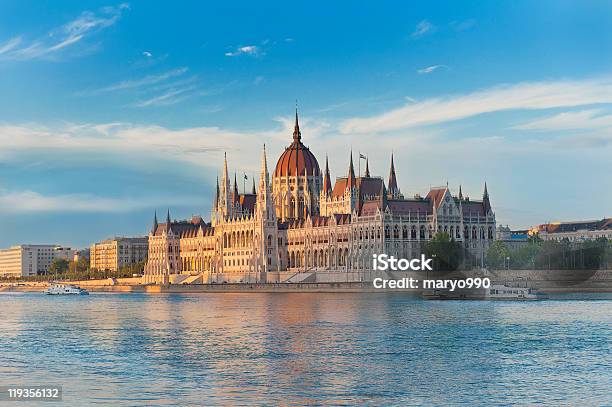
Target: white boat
497,292
502,292
66,289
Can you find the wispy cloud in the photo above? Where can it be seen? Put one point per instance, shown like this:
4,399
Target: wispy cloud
430,69
252,50
141,82
528,95
170,97
463,25
63,37
581,120
422,28
10,45
31,201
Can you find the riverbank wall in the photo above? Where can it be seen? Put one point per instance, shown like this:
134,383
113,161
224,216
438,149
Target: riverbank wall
544,280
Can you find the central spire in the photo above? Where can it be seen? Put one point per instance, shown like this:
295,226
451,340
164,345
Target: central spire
297,135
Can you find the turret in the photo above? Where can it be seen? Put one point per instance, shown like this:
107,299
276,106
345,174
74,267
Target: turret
168,222
351,181
485,200
327,188
393,189
367,169
154,228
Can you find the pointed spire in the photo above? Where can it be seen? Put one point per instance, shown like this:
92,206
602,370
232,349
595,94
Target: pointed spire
392,178
216,203
254,191
367,170
351,182
263,175
154,229
485,200
297,135
460,193
235,193
327,180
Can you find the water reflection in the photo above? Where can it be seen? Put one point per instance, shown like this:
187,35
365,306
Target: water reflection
301,349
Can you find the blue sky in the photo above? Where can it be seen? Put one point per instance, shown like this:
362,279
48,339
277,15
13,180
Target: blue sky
112,110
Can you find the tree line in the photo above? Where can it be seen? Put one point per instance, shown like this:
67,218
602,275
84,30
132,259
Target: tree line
551,255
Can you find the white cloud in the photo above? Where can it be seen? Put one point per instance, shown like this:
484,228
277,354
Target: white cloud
170,97
252,50
430,69
145,81
147,54
528,95
9,45
581,120
422,28
63,37
463,24
30,201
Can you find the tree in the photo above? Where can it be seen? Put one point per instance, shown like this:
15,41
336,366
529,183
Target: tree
497,254
446,252
58,266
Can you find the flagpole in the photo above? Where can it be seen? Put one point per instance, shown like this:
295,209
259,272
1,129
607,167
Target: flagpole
359,159
244,183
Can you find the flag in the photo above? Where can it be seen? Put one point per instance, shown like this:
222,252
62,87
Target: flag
245,176
362,156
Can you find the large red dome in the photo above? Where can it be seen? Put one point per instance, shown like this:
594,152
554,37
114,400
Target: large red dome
296,158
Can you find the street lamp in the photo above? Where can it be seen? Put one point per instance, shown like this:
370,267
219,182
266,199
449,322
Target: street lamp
508,259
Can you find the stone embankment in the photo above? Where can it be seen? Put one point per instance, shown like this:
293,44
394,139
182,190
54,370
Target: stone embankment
544,280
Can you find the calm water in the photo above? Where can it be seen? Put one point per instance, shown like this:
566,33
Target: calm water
303,349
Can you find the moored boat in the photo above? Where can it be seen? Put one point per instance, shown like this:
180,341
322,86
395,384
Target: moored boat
66,289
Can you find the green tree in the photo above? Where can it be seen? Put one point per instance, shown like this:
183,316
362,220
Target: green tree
446,252
497,254
58,266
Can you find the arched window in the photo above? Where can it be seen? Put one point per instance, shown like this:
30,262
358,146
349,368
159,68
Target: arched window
292,208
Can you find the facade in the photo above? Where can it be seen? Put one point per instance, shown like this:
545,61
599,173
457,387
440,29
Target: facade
118,252
513,239
577,231
30,260
297,221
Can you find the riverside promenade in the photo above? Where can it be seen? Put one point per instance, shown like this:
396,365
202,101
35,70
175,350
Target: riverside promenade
544,280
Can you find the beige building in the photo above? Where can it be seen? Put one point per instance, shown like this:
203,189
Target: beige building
30,260
118,252
297,222
576,231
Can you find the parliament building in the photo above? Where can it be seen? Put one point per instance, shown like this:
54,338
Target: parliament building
298,223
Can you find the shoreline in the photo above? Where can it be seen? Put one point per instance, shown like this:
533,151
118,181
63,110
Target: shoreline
347,287
545,281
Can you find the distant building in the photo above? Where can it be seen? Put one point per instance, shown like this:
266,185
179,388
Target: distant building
577,231
118,252
30,259
513,239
